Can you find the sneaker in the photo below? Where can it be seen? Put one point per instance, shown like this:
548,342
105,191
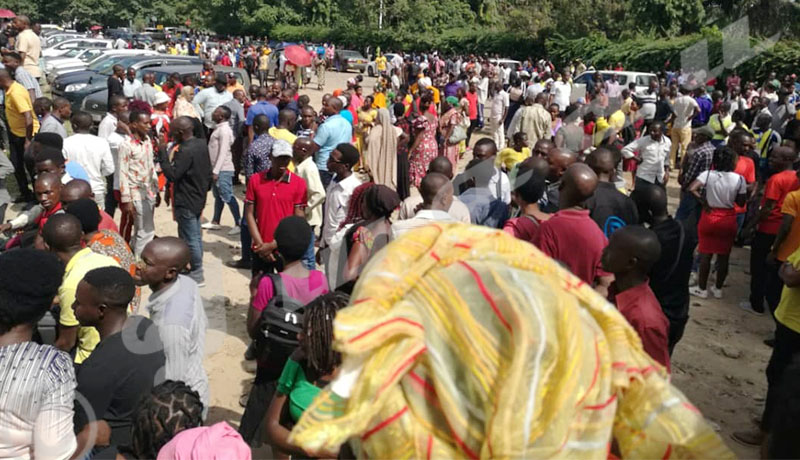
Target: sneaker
239,264
210,226
234,231
716,292
745,305
697,292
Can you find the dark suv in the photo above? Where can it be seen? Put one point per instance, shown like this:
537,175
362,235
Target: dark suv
76,86
97,103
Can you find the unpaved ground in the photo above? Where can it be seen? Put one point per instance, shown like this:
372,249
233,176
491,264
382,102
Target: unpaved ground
719,364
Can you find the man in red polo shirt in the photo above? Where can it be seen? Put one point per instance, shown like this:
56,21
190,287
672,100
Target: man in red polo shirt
630,254
272,195
571,236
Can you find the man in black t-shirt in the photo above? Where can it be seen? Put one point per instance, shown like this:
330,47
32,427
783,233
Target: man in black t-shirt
608,207
669,277
126,364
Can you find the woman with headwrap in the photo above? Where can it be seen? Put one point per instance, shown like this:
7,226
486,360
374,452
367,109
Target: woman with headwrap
381,153
370,233
183,104
464,342
447,125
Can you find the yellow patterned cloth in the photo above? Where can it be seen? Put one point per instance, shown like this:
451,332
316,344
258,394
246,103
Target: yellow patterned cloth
462,341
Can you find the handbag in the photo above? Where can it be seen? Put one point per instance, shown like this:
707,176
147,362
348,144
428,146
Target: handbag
458,134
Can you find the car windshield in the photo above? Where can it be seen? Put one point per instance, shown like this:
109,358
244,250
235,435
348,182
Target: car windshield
353,54
89,55
72,53
106,67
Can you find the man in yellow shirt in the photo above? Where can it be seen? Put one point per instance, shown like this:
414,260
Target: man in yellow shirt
22,125
233,84
518,152
286,121
787,345
380,63
62,236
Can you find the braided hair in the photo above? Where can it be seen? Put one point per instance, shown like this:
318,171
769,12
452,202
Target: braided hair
168,409
723,159
356,204
321,359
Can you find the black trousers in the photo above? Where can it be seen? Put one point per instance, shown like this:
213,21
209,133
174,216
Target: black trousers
111,200
17,157
764,280
787,346
252,421
473,125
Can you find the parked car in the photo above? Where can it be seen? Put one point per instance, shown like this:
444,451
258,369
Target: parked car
63,65
642,80
97,103
372,69
345,60
81,43
71,57
76,86
58,37
511,63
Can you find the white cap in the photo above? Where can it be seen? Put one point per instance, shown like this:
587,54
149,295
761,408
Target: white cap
281,148
161,97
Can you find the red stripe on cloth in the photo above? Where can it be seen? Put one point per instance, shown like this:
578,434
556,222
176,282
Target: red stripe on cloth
378,326
604,405
691,407
435,257
462,246
486,295
405,364
430,445
366,299
596,371
667,452
384,423
427,386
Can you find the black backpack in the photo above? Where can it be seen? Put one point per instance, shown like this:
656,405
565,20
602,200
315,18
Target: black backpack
280,322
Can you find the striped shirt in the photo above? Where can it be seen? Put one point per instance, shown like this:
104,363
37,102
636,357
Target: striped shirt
37,388
28,81
178,312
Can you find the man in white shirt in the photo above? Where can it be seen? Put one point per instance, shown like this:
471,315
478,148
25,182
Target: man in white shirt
92,153
437,196
109,123
219,151
457,210
561,92
683,110
653,150
302,153
498,114
120,44
499,185
146,92
130,84
483,94
339,191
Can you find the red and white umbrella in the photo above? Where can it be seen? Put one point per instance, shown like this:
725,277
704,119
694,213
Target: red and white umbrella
7,14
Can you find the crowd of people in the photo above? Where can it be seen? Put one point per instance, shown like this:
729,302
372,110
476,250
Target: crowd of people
487,287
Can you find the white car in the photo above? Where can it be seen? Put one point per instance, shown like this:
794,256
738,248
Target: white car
82,43
81,60
372,70
73,57
53,39
624,78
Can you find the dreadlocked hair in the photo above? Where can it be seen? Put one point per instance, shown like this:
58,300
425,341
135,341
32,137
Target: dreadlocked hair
321,359
168,409
356,205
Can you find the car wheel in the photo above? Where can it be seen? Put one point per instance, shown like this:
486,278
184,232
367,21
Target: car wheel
370,72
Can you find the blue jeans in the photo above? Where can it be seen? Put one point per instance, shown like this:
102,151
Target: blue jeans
189,231
223,194
308,260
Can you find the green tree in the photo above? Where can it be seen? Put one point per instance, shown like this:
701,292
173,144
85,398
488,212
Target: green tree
668,17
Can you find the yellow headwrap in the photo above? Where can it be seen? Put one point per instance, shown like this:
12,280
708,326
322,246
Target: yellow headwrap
462,341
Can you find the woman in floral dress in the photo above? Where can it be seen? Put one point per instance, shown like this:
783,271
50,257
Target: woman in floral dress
448,122
424,149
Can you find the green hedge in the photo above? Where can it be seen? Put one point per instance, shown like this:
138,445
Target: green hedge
476,40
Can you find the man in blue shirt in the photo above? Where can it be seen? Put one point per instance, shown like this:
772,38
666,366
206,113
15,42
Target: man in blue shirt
334,131
262,107
704,101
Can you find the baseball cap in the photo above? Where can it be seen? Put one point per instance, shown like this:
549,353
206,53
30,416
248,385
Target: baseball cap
281,148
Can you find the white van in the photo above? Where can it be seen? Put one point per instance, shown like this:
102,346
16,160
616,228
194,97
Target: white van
642,80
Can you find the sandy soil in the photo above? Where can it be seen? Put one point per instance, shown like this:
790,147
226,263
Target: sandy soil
719,364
